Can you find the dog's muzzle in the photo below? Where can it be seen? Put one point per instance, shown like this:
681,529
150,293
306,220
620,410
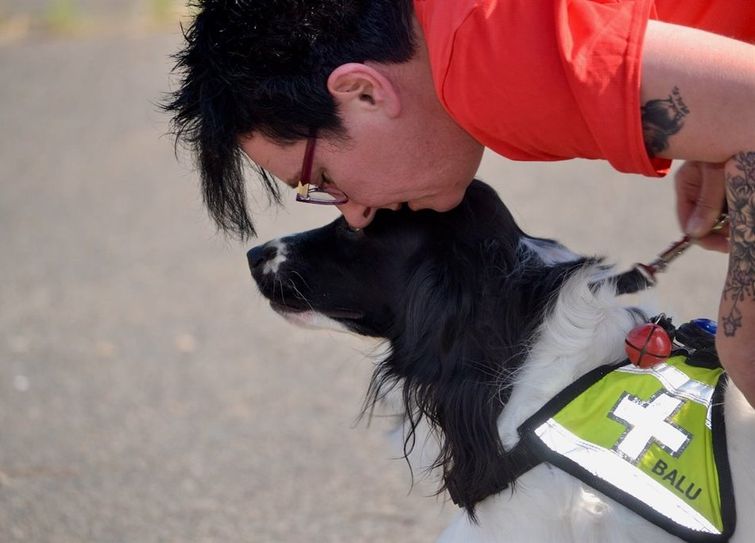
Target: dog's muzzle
267,258
257,256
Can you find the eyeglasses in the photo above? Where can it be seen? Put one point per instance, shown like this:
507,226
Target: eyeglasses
309,193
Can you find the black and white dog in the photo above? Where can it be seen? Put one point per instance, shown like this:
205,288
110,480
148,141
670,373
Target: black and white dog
485,326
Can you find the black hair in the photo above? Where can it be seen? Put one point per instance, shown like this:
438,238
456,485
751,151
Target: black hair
262,66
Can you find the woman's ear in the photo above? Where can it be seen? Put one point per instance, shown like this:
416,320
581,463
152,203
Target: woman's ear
364,89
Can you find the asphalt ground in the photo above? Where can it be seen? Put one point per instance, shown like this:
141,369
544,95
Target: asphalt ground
147,393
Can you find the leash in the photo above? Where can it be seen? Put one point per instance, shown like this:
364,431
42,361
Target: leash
643,276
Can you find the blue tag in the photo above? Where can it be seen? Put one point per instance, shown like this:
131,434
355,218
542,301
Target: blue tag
707,325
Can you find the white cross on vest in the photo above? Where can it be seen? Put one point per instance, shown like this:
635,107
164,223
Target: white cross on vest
647,422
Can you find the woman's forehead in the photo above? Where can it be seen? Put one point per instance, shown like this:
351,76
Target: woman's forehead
282,161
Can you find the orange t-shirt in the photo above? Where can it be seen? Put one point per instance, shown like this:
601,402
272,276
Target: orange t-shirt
557,79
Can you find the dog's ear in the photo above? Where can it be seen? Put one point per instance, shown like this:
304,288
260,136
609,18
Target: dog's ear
470,312
483,215
449,352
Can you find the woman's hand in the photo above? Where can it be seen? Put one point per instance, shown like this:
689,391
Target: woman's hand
700,198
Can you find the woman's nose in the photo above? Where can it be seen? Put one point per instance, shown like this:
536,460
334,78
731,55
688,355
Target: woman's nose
358,216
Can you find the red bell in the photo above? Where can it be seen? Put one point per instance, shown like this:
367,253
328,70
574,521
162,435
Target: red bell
648,345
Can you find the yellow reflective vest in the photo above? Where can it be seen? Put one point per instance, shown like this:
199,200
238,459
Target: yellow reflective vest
652,439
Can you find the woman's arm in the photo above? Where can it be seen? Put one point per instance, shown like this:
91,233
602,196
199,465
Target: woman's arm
698,96
735,340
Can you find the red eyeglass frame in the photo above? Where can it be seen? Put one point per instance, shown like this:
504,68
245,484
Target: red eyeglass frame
309,193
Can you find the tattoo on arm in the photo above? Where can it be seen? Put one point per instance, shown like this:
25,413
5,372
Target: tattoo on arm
661,119
740,281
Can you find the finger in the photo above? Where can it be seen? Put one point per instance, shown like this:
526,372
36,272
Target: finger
718,240
709,203
713,242
687,181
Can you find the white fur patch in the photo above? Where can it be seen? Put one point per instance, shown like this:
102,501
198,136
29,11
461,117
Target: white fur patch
584,330
314,321
272,265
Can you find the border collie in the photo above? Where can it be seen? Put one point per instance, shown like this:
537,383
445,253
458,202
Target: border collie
485,326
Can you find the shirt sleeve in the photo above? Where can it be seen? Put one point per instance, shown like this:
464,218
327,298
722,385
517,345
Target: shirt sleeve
551,79
731,18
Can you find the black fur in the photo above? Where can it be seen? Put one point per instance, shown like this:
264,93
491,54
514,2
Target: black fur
457,297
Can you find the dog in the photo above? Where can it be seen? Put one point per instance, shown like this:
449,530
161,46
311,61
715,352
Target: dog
485,326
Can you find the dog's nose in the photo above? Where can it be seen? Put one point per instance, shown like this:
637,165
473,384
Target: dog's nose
257,256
